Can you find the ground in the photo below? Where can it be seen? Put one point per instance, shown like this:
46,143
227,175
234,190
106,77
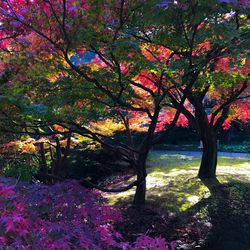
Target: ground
196,215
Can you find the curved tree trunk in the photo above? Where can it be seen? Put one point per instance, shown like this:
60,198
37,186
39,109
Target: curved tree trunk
209,154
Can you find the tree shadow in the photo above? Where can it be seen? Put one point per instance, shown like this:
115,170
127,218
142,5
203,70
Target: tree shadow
228,211
219,220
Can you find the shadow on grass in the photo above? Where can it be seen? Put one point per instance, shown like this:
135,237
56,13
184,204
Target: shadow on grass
228,210
204,215
197,215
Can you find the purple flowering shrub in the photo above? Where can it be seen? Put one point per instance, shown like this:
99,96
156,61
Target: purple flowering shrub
61,217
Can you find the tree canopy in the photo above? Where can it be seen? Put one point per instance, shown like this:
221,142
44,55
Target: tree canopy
144,64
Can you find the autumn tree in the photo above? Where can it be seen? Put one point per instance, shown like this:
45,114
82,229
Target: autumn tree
111,84
142,54
212,40
220,94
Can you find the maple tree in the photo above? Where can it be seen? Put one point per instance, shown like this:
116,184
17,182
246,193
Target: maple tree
143,69
211,39
221,93
110,84
97,67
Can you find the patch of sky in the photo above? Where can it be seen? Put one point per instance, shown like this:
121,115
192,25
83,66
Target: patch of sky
82,58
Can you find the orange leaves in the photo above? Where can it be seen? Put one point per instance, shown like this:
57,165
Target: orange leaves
203,47
28,148
107,127
139,121
59,128
31,146
19,146
154,52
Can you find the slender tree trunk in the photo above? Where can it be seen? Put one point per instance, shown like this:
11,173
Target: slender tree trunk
58,161
209,154
65,170
43,164
140,193
43,168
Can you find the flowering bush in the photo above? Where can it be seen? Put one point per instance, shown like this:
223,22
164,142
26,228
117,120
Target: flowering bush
63,216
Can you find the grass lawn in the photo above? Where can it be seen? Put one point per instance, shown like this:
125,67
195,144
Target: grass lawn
205,215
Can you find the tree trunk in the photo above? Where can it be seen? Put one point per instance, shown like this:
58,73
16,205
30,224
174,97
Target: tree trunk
56,168
43,164
140,193
65,164
209,154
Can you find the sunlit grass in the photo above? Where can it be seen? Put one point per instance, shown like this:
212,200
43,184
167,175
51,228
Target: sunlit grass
172,180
